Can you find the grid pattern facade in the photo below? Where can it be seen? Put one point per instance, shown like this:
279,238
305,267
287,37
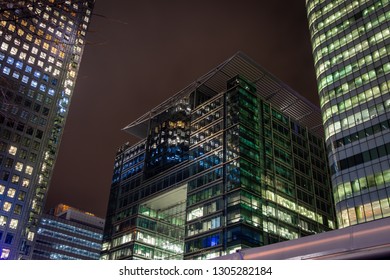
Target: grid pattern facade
243,175
351,48
69,236
41,44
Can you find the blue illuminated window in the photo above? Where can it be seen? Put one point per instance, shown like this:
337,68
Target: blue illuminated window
25,79
28,69
34,83
42,88
45,78
2,56
19,64
37,74
16,75
10,60
6,70
51,92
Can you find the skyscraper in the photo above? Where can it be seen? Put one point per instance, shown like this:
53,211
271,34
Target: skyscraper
234,160
350,41
41,44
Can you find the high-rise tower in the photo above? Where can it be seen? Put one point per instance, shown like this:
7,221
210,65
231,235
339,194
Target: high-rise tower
351,46
232,161
41,44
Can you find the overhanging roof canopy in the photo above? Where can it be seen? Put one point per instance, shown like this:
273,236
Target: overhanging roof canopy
268,87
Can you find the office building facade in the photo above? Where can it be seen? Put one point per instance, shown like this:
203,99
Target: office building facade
350,41
41,44
222,165
68,234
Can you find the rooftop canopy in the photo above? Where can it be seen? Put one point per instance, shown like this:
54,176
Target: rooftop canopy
269,87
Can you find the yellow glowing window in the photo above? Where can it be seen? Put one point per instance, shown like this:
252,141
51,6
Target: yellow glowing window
11,192
11,27
7,206
25,182
3,220
19,166
53,50
37,42
30,236
29,170
13,224
12,150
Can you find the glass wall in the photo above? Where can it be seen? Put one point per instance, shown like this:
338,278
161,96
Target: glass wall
351,42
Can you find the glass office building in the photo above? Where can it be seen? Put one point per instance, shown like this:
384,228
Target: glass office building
67,233
41,44
234,160
350,42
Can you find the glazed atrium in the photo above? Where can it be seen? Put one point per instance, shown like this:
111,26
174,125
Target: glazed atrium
351,46
234,160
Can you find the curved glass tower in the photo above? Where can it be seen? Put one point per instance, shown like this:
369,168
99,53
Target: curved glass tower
350,41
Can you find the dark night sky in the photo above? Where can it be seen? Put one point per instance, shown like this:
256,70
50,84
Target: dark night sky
142,52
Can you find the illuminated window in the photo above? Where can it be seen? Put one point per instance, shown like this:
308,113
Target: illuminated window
25,79
29,170
37,41
12,150
4,46
3,220
22,55
2,189
19,64
15,179
16,75
31,60
13,224
6,70
11,192
4,254
14,51
7,206
53,50
19,166
25,182
30,236
195,213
